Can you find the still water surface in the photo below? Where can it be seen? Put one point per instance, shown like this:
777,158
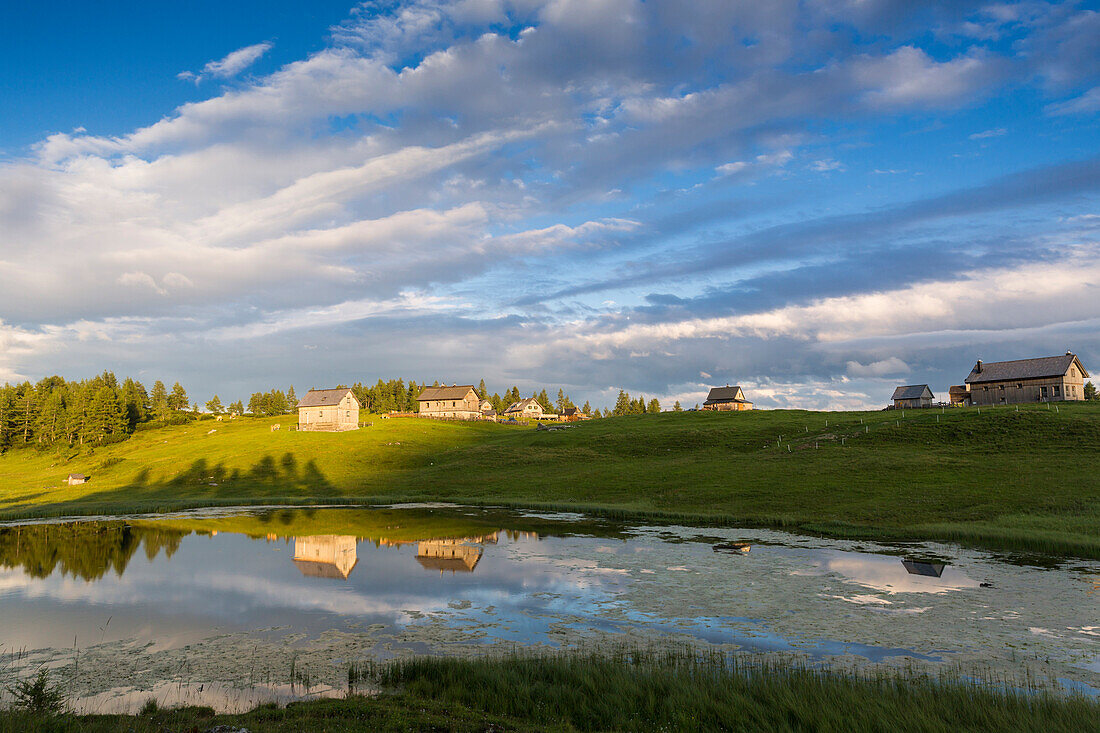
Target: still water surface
232,607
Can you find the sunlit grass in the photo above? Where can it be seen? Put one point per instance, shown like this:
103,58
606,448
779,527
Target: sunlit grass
1015,479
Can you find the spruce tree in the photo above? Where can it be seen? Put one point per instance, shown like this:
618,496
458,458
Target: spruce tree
178,399
159,399
215,406
50,424
676,407
292,399
106,417
622,404
654,406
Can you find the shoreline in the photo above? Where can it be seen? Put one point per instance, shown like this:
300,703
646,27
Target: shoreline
965,535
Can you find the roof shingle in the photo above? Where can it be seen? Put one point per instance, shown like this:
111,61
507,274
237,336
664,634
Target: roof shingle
324,397
1004,371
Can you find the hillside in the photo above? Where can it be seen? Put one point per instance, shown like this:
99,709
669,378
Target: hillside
1022,479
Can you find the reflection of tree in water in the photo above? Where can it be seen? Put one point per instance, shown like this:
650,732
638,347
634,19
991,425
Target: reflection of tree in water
85,550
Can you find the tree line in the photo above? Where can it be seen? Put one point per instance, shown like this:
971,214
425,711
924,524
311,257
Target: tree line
96,411
91,412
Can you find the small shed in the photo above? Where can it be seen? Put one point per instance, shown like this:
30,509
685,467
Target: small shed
573,414
958,394
76,478
913,395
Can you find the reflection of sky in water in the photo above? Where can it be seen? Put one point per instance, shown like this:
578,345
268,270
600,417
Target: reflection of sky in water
787,594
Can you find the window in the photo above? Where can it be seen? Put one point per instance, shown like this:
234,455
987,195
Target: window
349,413
1001,387
985,389
1073,372
1043,392
1057,390
1019,385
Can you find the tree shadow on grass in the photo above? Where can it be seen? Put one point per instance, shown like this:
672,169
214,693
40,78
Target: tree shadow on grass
282,477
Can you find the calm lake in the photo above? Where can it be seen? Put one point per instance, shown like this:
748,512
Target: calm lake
237,606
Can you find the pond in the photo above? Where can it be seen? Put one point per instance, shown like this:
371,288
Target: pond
234,607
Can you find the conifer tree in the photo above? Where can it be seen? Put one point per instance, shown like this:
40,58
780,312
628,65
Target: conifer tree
215,406
587,409
622,404
292,399
50,424
159,399
178,399
105,416
676,407
654,406
237,407
482,392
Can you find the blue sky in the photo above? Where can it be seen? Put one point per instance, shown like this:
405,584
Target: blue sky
817,200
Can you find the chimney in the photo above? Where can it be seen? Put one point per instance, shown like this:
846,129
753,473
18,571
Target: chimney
978,367
1069,353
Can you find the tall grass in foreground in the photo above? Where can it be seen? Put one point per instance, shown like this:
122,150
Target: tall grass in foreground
686,690
623,689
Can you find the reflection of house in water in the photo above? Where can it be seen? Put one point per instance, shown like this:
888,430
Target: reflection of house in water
456,555
923,567
325,556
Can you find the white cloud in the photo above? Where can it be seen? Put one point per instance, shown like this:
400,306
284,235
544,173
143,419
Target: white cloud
892,366
986,134
909,77
1087,103
233,64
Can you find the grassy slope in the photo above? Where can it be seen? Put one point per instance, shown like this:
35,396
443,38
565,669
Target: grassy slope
1026,479
578,692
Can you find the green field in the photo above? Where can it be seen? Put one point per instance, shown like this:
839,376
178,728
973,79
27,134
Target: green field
1023,480
618,691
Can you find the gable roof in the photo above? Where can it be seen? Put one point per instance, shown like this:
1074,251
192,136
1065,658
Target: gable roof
911,392
1004,371
457,392
521,405
725,394
325,397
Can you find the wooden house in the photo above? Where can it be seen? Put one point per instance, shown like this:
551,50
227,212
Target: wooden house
573,414
529,409
958,394
329,410
727,398
913,396
457,402
74,479
1045,379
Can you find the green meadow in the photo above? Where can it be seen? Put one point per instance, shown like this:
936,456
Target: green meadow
1022,479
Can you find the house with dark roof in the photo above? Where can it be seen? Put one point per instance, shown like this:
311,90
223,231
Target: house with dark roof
328,410
727,399
76,478
457,402
529,409
1046,379
913,395
573,414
